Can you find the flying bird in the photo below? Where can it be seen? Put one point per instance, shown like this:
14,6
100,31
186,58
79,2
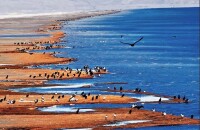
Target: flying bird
133,44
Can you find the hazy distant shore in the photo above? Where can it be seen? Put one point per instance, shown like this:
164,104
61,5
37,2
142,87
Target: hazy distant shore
31,8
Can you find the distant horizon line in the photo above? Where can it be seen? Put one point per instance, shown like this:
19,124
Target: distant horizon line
60,13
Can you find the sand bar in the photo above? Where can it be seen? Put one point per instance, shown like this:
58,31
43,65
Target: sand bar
95,120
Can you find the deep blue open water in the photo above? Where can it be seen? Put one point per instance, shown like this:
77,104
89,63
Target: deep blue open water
166,61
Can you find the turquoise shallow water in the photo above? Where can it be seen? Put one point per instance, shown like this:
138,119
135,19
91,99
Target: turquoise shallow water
166,61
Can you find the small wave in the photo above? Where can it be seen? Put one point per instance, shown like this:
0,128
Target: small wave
61,91
150,98
5,64
69,86
63,109
127,122
68,47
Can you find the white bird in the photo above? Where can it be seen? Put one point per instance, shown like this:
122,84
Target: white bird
154,110
182,115
42,97
164,113
133,106
106,117
114,115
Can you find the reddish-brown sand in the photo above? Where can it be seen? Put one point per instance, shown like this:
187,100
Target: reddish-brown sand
94,120
39,74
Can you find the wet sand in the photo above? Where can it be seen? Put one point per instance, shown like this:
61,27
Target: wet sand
15,71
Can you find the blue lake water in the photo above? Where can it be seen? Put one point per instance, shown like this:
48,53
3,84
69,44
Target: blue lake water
166,61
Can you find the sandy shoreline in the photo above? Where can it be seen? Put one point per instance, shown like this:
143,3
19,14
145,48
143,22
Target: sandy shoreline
94,120
16,58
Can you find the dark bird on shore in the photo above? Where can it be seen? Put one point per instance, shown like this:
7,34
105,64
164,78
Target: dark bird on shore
160,100
184,98
59,97
88,94
179,96
77,111
92,98
13,101
4,98
174,97
138,90
121,88
192,116
36,101
82,93
122,95
133,44
52,97
115,88
27,95
130,111
139,107
97,97
7,77
63,96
